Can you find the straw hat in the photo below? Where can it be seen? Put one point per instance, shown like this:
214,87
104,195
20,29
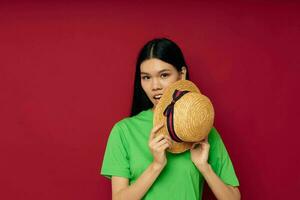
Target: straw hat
187,114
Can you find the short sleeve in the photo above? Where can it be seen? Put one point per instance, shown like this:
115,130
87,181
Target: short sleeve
116,160
219,159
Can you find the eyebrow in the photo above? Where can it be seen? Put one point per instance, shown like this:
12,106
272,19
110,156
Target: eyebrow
164,70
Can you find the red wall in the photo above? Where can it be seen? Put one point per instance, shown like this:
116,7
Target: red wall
66,76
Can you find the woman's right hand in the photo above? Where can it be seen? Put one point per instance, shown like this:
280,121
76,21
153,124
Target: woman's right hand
158,145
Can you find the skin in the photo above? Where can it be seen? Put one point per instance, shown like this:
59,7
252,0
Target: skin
156,75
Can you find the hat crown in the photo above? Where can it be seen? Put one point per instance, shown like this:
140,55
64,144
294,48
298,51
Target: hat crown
193,117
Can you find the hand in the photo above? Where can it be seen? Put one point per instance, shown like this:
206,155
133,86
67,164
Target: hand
158,144
199,154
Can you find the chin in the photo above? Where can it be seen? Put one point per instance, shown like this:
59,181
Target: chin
154,104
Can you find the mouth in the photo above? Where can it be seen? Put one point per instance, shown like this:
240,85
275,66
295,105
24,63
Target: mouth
157,97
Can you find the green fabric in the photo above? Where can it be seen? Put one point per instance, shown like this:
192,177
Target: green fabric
127,155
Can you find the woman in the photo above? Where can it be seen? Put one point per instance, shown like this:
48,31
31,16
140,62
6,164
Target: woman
137,161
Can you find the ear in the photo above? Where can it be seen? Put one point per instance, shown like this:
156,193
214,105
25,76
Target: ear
183,73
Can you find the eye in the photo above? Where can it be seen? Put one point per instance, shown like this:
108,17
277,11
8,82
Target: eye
164,75
145,77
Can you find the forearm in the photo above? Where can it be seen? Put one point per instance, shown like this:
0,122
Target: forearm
218,187
139,188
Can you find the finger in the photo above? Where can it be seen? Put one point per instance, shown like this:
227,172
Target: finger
155,129
168,137
196,145
204,145
205,140
157,139
193,146
164,147
161,143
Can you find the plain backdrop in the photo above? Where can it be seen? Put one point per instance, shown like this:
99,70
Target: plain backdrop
66,76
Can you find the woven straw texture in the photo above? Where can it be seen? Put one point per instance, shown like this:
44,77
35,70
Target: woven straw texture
193,115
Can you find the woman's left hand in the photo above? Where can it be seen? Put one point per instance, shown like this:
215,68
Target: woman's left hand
199,154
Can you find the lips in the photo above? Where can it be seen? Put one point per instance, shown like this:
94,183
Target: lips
157,96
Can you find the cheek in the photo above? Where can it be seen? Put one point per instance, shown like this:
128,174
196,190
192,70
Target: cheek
171,80
145,87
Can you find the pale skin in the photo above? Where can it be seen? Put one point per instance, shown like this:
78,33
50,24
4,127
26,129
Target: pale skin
156,75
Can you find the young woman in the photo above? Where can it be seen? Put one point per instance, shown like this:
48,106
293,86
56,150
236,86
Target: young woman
137,161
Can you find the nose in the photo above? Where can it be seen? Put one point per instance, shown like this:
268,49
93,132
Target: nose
156,85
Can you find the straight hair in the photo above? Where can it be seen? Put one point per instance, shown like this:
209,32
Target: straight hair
160,48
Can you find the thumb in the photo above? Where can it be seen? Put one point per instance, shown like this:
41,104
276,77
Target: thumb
195,145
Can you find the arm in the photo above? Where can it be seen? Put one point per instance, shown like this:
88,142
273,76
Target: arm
218,187
122,190
199,156
120,186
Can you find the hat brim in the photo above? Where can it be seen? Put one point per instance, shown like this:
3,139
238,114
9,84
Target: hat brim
159,118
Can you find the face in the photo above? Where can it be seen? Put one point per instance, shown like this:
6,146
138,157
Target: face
156,76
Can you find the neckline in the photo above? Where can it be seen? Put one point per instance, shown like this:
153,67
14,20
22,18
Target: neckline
149,112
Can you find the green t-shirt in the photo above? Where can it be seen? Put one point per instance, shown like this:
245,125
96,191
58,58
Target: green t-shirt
128,155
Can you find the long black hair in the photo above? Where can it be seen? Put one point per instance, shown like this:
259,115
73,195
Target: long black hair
160,48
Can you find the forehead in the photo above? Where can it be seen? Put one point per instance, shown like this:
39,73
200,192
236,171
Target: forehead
155,65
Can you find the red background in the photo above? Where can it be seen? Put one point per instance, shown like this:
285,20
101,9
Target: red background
66,76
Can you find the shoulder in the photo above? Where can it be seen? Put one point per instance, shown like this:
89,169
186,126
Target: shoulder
215,140
136,120
214,135
146,115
